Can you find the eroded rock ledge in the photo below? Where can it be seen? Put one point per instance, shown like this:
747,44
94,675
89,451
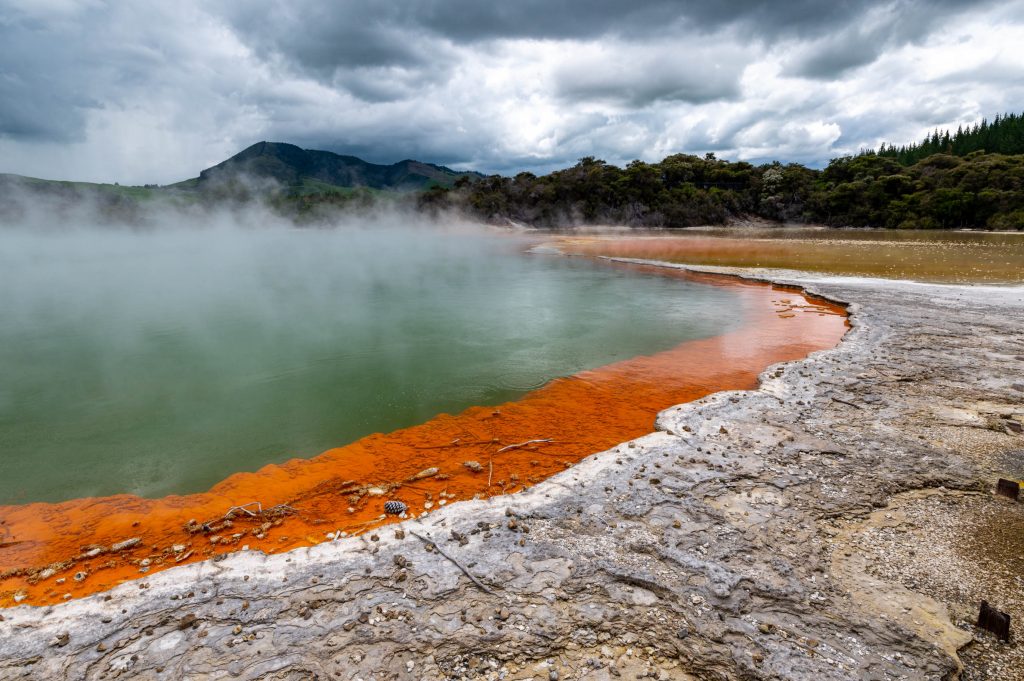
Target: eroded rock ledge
723,546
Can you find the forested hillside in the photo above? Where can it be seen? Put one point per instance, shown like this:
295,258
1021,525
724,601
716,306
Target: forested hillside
941,191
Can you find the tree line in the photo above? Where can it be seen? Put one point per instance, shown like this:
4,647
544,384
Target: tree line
941,191
1004,135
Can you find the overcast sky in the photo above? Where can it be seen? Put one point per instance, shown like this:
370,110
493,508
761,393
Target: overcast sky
146,91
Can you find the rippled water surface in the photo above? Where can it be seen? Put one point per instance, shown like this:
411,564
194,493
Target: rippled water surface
161,362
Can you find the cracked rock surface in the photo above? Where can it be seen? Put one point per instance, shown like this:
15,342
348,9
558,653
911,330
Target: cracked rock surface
746,539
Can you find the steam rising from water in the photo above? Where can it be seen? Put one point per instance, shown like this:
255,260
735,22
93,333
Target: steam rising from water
161,360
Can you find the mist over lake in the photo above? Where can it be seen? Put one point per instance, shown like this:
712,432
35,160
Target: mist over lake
161,361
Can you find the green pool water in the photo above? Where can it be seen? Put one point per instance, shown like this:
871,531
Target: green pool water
160,362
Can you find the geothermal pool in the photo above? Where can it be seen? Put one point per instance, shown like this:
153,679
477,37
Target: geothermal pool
180,362
161,362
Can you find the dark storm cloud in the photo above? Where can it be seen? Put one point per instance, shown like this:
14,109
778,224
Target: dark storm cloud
880,28
380,51
358,33
324,37
147,91
703,73
830,59
39,100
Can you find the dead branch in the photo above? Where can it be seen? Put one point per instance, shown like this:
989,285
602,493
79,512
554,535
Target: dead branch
849,404
457,564
458,442
244,509
524,444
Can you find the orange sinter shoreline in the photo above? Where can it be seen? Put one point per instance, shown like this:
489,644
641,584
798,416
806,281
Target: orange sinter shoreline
53,552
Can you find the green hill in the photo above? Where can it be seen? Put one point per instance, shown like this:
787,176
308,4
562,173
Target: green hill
304,171
294,181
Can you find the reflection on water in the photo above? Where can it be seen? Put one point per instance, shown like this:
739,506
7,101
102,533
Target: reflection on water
936,256
163,362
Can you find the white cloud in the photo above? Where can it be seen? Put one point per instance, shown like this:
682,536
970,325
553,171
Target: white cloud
147,92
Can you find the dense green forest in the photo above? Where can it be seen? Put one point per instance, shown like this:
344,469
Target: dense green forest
1004,135
941,191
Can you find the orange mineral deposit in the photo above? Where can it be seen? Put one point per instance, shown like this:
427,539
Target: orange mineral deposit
51,552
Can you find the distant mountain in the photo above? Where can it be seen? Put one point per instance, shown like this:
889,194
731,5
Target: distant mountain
308,170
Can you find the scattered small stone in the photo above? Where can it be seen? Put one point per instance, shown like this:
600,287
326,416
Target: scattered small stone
473,466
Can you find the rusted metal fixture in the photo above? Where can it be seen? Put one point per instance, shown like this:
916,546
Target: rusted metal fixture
995,621
1008,488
